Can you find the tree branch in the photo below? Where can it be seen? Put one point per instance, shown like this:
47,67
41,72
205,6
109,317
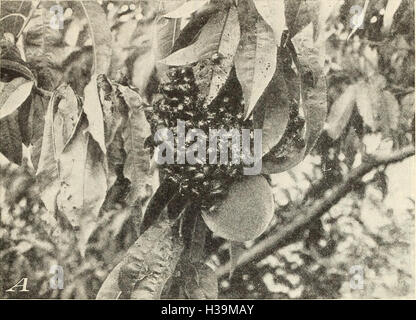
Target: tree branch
278,239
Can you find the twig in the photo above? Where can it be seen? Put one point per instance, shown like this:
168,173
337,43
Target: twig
13,15
278,239
27,19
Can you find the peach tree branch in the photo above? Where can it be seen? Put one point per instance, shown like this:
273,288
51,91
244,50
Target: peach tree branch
280,237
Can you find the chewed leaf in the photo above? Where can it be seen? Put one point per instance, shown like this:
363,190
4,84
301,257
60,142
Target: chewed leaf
66,117
72,177
150,262
273,12
255,63
186,9
227,48
13,94
137,129
341,111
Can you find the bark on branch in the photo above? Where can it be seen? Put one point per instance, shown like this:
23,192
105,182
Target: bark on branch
279,238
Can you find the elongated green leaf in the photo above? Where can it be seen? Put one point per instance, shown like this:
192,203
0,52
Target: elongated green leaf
274,111
311,55
43,46
378,107
390,113
200,281
71,170
13,94
137,129
300,13
165,33
255,61
273,12
194,231
341,111
11,140
186,9
66,117
161,197
227,48
110,289
314,99
220,35
408,107
94,113
150,262
35,125
100,34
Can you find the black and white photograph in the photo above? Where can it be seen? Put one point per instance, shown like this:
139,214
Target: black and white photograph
229,151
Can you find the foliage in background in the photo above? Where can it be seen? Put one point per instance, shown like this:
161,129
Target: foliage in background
378,61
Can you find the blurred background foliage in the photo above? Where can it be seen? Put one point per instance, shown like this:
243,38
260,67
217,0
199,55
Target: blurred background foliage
371,227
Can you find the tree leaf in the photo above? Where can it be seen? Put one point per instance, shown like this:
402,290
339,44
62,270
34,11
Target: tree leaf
137,129
186,9
66,117
43,46
11,140
200,281
273,12
194,231
408,107
311,55
309,60
300,13
100,34
378,107
165,33
255,62
273,111
150,262
12,63
13,94
71,173
94,113
157,203
227,48
221,35
364,103
35,125
390,10
110,289
113,109
389,114
341,111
